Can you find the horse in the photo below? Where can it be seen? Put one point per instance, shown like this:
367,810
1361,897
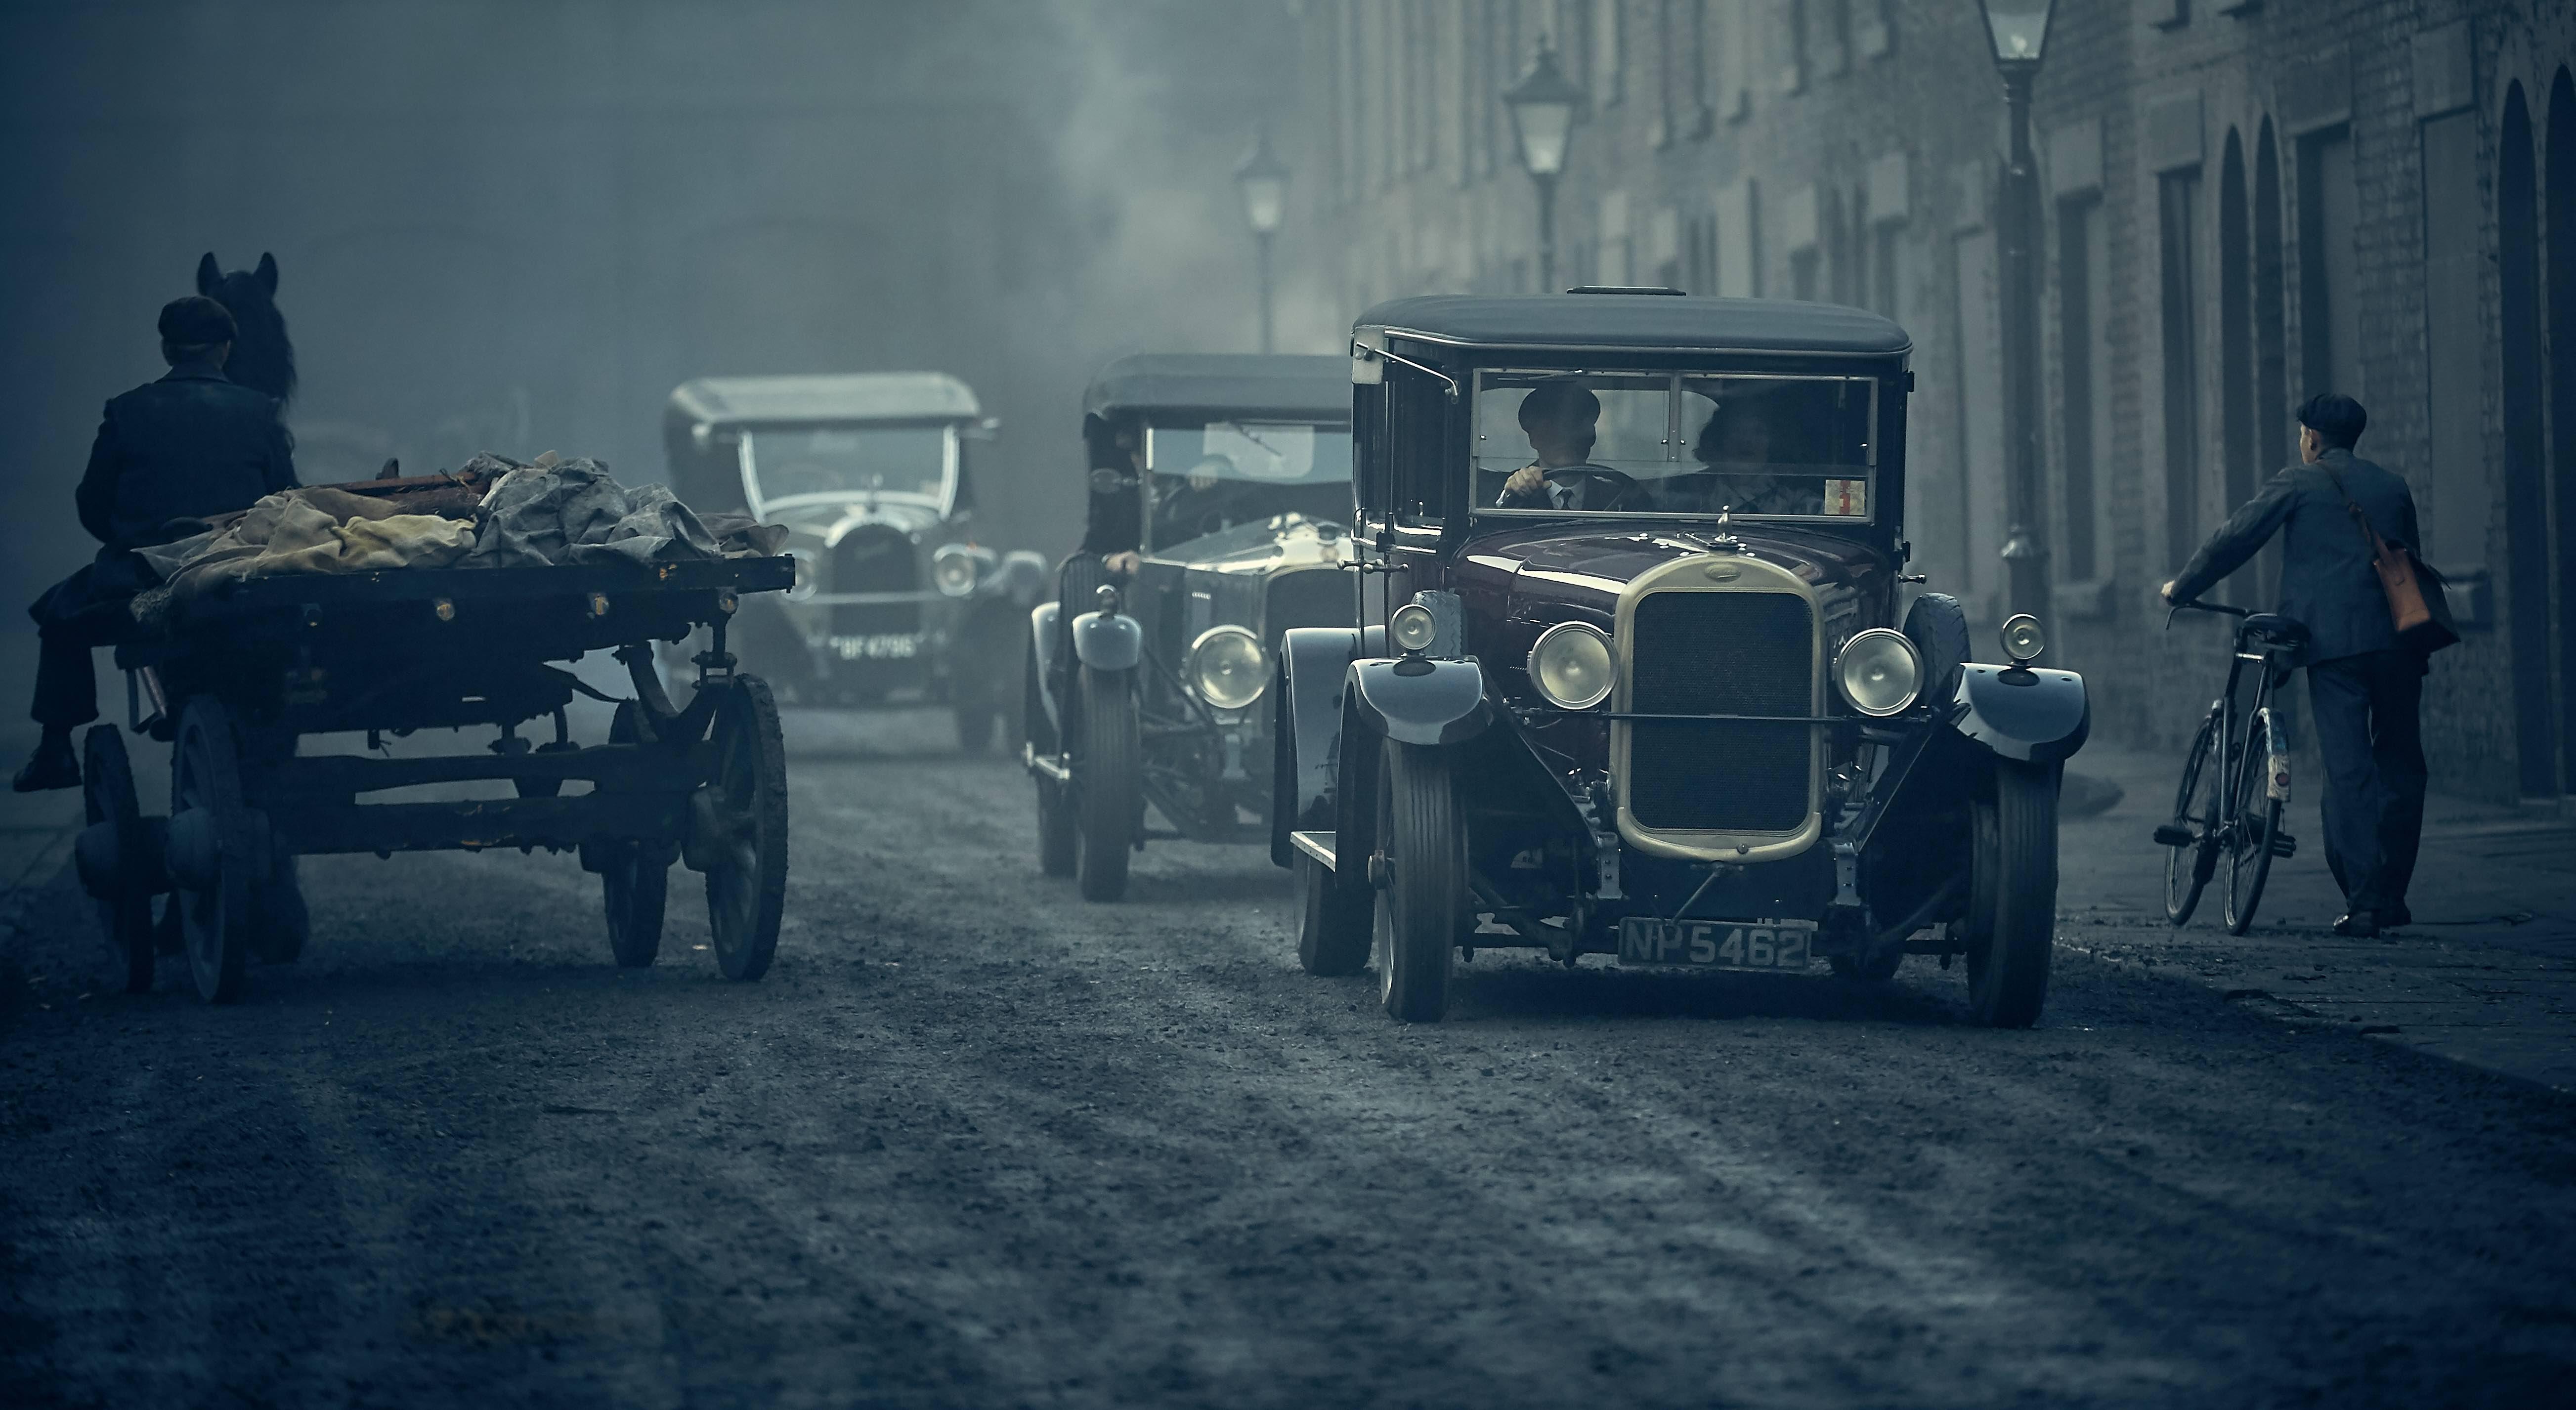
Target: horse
262,358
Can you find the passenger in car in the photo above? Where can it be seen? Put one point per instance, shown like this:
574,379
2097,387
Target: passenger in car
1739,438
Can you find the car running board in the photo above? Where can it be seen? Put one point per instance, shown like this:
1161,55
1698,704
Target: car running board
1318,845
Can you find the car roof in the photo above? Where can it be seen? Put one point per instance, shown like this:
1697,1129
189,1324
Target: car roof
1644,322
1289,385
839,396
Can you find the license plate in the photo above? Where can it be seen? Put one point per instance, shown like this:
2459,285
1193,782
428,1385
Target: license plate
1717,944
885,646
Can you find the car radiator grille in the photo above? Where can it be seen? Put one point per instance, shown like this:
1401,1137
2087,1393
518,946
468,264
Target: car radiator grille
874,558
1721,653
1308,597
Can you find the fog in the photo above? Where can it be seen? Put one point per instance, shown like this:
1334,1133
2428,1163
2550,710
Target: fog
516,226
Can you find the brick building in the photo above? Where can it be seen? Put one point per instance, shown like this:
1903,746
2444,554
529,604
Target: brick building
2245,201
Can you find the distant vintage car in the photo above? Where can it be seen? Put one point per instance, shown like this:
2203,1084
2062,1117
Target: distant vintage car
896,596
1630,677
1230,477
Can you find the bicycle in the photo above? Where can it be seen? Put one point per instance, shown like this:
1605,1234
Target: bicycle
2232,812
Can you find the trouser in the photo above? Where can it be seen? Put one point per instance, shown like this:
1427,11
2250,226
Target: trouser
72,620
2369,728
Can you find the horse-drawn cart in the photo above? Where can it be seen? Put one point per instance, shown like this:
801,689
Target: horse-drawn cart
234,678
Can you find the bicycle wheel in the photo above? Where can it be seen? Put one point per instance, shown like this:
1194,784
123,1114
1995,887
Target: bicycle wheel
2256,815
2192,855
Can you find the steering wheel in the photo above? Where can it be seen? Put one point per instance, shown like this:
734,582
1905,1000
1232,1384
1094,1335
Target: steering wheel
1622,486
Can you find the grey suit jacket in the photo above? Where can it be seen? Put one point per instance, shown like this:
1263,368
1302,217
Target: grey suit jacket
2327,584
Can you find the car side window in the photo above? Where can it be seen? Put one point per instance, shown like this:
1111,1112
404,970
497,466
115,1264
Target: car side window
1417,442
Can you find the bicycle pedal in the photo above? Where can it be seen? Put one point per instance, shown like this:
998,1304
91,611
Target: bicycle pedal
2284,845
2174,835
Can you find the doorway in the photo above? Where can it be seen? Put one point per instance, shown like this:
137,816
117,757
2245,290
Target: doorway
2526,530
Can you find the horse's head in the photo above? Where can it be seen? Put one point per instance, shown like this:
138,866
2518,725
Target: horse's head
262,357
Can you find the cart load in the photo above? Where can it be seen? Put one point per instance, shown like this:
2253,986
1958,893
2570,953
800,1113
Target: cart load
392,606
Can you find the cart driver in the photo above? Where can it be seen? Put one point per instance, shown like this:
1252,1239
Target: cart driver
191,445
1562,417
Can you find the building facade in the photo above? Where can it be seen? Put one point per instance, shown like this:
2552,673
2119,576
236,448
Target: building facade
2245,201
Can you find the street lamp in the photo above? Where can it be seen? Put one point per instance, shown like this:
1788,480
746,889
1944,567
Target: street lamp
2019,31
1542,106
1263,179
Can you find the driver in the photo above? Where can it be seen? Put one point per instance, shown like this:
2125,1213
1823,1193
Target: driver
1202,504
1561,416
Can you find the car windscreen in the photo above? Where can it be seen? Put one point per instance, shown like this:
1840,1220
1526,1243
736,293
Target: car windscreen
1213,476
785,462
1566,441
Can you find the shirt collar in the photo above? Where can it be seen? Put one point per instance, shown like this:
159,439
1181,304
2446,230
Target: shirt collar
199,370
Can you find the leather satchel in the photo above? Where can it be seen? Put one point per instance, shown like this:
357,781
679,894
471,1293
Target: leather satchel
2417,606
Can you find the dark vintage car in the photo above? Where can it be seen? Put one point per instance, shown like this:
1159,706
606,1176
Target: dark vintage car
1630,677
896,598
1219,512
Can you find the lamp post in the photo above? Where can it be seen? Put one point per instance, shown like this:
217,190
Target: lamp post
1263,179
2019,31
1542,106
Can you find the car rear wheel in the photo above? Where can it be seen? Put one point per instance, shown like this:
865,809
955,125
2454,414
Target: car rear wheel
1421,878
1335,929
1105,795
2012,907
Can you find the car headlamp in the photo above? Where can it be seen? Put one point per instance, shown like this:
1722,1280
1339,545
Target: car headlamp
1879,672
1412,627
2023,640
1571,665
953,570
1226,667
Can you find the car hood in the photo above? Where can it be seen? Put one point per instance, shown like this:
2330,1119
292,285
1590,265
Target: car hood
1588,567
832,522
1283,541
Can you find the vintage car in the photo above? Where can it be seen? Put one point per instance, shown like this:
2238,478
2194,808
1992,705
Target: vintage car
1229,477
896,598
1632,675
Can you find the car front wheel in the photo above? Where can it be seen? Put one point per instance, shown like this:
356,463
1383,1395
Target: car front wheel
1421,876
2012,907
1105,785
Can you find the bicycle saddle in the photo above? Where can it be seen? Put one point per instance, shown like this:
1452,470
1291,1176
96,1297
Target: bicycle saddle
2275,628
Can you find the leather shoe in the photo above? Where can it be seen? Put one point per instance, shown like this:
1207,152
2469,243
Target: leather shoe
53,765
2396,916
2358,924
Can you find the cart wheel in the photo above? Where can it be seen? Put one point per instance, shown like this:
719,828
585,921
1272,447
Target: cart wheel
279,922
125,912
206,774
636,880
747,885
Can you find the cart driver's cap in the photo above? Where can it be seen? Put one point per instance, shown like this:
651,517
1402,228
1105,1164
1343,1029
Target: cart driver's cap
196,321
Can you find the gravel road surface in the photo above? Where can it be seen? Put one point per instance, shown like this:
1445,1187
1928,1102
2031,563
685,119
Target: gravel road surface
974,1142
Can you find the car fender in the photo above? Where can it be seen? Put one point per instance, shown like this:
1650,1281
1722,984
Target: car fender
2022,714
1107,641
1044,637
1313,662
1416,700
1019,578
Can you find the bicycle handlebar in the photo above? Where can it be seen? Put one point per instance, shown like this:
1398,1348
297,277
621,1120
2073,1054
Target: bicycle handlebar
2198,606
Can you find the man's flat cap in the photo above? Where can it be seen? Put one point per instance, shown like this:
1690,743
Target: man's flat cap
196,321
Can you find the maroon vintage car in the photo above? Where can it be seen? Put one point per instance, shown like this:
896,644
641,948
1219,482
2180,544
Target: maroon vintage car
1630,677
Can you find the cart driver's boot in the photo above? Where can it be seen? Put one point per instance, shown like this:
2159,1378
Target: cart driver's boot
53,765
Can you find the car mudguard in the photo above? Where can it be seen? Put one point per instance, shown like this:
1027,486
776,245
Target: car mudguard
1018,578
1307,720
2018,713
1417,700
1108,642
1042,633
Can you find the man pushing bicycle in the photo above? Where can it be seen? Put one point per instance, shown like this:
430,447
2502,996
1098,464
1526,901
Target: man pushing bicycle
2366,688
